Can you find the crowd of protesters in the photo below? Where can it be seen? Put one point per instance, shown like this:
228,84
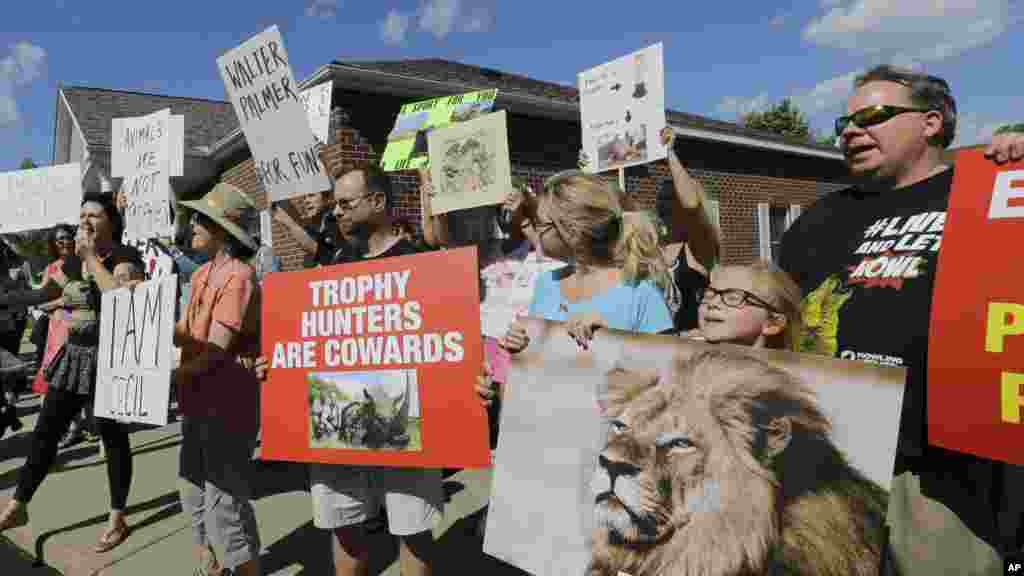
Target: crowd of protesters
606,265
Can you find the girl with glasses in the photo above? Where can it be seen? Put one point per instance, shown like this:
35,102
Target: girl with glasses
756,305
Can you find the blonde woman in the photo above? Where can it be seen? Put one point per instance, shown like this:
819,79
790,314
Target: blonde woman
616,277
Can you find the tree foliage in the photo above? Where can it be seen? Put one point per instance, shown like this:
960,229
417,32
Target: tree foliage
27,164
1011,128
784,118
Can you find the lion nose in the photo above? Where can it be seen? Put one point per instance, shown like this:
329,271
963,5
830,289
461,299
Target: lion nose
616,468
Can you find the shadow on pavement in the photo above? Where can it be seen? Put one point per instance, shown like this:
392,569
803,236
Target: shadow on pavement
460,551
312,549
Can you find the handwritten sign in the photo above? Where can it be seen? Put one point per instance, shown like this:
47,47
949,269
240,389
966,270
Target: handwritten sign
373,363
470,165
622,110
141,155
259,82
407,147
976,345
317,102
40,197
136,352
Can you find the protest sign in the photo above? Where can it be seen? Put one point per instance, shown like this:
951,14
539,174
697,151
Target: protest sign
259,82
317,102
976,345
136,352
470,165
176,146
651,455
622,110
140,153
375,363
40,197
508,289
407,143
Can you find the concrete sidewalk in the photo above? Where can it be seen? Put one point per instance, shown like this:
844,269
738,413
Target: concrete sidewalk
69,513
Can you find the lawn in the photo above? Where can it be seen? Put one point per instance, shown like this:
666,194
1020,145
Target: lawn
415,441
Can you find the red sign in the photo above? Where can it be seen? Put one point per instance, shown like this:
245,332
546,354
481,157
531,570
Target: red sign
976,346
375,363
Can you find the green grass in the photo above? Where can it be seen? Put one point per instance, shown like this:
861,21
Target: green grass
415,441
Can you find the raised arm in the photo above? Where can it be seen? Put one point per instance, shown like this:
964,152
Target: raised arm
307,243
691,224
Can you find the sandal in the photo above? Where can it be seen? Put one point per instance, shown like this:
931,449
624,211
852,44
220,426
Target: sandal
112,539
16,520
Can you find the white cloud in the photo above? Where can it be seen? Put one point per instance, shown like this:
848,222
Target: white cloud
394,27
924,30
735,107
24,64
442,17
827,95
830,3
322,8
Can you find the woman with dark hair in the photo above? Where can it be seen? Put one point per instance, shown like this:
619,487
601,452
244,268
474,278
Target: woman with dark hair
218,396
72,373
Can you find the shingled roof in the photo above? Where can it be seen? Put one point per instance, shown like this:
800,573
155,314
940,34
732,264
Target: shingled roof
448,71
206,121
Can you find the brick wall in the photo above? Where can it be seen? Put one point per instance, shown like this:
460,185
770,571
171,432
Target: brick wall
739,179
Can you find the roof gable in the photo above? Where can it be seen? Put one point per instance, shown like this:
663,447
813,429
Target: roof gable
206,121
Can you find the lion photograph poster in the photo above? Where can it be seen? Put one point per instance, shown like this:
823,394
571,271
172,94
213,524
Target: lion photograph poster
657,456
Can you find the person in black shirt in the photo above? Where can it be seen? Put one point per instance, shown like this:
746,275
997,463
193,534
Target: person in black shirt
319,238
865,260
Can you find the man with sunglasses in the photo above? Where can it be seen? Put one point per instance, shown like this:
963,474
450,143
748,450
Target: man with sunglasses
865,260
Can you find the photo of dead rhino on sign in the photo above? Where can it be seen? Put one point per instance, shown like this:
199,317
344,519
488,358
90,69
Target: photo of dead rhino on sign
359,411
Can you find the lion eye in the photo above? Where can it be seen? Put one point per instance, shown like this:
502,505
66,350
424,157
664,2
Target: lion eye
678,443
618,426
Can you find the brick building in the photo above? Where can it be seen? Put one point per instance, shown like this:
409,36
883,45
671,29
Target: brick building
756,181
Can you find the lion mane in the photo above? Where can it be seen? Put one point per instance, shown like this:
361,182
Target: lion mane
725,467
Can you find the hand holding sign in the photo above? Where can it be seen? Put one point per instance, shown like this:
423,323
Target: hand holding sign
1006,147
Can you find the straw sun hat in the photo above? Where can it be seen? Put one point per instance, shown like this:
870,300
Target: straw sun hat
227,206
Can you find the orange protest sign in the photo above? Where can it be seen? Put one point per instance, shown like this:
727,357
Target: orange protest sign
976,345
375,363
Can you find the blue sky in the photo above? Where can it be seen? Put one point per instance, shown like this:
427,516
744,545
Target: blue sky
721,58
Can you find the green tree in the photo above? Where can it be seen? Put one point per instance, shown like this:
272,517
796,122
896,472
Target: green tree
1011,128
784,118
27,164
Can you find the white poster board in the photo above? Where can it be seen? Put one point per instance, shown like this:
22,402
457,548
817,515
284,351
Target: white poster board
176,146
317,101
136,352
259,82
622,110
469,163
140,153
40,197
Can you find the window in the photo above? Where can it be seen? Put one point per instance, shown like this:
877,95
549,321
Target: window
772,222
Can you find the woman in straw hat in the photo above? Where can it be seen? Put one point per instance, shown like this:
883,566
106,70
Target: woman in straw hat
71,374
218,396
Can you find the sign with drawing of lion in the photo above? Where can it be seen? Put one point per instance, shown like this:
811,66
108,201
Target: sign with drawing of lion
469,164
657,456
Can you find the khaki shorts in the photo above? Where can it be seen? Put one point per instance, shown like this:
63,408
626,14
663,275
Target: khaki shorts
927,538
352,495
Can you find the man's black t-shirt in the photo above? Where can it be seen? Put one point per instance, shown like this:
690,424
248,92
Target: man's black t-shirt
324,231
401,248
866,265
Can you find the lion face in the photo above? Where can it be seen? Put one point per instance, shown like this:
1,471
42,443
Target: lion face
650,478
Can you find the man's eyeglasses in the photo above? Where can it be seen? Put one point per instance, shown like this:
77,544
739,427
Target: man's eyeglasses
873,115
346,204
64,238
735,298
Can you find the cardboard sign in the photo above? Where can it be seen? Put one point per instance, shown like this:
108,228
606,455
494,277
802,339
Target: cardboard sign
508,290
140,153
136,352
407,147
976,345
259,82
470,165
680,450
375,363
317,102
40,198
622,110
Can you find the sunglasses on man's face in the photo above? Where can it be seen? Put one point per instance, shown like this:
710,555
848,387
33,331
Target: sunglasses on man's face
873,115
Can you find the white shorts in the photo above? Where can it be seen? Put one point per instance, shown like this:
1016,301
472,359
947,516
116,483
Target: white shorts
351,495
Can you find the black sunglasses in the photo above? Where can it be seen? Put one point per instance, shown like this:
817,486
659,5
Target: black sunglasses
873,115
735,298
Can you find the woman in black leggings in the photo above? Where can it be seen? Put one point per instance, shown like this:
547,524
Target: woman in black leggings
72,373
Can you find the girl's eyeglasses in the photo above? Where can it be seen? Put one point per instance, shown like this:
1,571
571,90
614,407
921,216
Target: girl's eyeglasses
734,298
